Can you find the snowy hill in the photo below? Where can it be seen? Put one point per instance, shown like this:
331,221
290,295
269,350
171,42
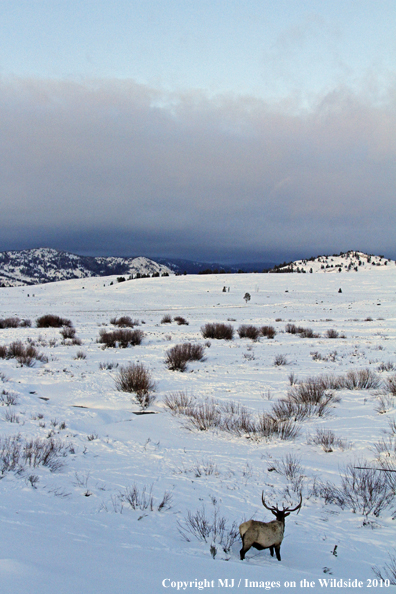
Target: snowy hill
44,265
351,261
93,496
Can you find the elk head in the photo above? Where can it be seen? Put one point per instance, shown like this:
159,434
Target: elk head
281,514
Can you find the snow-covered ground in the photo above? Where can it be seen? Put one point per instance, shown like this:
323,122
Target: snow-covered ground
69,531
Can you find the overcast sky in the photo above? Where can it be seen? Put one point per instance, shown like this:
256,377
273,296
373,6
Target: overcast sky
215,130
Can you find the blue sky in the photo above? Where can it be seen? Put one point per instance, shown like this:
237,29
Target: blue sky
293,101
258,47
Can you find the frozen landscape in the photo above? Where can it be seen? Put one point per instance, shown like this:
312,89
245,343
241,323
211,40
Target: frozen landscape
44,265
121,499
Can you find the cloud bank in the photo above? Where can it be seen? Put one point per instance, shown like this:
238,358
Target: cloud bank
114,167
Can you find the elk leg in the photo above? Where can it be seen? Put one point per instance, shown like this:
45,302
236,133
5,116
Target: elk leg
277,551
272,551
246,545
243,550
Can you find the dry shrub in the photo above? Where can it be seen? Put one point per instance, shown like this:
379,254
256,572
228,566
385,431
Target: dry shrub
248,331
304,400
212,529
11,417
298,411
16,349
388,572
332,356
8,398
291,329
385,403
363,489
45,452
14,323
392,425
332,333
271,427
386,447
204,415
310,391
362,379
238,420
203,468
290,467
26,355
124,322
328,440
52,321
178,356
218,331
107,365
178,402
181,321
330,381
388,366
68,332
175,359
30,356
303,332
280,360
230,417
268,331
388,466
121,338
308,333
16,453
3,351
166,319
9,323
390,384
136,378
144,500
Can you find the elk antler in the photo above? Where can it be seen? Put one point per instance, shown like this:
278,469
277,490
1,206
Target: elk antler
271,509
287,509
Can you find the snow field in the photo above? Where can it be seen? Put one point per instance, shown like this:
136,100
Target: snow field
70,530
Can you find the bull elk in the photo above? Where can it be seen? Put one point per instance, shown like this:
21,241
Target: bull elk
266,535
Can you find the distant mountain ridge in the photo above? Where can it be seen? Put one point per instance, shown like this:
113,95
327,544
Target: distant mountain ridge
180,266
351,261
44,265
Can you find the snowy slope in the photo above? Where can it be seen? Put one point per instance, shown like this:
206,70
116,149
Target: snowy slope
70,531
43,265
351,261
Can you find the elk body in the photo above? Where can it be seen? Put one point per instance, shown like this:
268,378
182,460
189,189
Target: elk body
265,535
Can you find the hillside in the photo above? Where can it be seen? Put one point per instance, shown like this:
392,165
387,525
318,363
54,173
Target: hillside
44,265
351,261
96,498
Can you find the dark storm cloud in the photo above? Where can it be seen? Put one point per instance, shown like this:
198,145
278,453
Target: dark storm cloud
116,167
